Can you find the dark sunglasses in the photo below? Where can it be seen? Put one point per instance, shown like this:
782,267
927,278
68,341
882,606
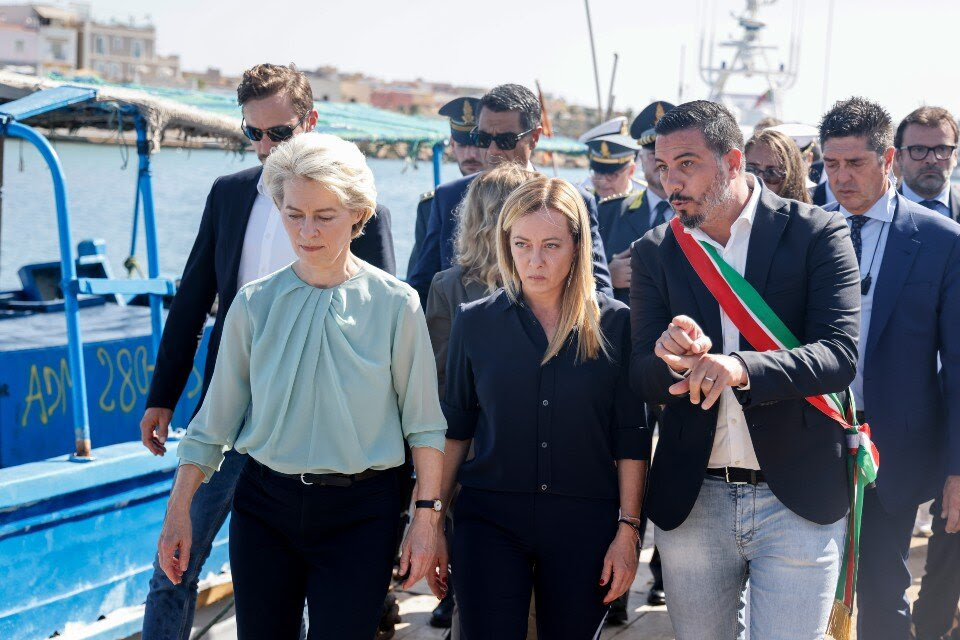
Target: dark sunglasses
770,175
277,134
920,152
505,141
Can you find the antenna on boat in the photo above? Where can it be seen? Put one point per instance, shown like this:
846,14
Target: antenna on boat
613,77
749,60
593,53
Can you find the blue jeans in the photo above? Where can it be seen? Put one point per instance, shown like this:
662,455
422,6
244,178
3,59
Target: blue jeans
170,608
740,532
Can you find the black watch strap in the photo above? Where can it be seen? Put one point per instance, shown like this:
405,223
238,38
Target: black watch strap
435,504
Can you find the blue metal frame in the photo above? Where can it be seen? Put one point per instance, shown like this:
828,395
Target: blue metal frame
78,393
437,160
154,286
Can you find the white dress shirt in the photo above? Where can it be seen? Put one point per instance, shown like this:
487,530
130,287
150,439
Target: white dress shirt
873,241
942,198
266,246
732,444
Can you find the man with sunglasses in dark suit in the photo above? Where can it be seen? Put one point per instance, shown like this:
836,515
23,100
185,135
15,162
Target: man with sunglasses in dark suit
508,128
241,238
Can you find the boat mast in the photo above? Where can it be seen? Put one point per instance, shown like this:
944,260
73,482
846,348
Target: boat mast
596,72
748,60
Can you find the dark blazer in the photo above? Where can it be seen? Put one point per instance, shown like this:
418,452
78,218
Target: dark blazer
211,271
620,222
802,262
914,414
819,194
447,293
420,228
437,252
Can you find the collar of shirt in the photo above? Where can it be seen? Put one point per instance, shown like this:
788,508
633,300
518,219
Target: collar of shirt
261,187
744,220
653,199
943,197
882,209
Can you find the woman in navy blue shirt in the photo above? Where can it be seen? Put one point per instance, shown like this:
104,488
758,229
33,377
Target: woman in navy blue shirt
537,379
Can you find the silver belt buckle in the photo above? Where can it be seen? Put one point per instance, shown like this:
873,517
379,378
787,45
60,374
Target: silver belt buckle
726,475
309,484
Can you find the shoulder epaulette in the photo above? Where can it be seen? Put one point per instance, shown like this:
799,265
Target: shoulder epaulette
616,196
636,199
426,196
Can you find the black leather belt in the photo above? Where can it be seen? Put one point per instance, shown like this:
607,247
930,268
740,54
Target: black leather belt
736,475
323,479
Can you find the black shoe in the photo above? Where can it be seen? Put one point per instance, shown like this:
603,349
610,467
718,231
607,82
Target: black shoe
442,616
617,615
656,597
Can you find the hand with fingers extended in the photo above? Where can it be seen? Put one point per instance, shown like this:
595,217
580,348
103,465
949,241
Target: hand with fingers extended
173,549
438,577
418,553
683,337
951,504
620,563
153,429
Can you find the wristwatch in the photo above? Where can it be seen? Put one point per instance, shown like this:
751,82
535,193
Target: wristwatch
436,504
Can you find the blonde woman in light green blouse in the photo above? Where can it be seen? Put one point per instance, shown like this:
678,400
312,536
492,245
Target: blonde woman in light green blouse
324,370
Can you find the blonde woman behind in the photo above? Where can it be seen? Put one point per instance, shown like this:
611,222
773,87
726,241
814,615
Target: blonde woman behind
537,381
476,274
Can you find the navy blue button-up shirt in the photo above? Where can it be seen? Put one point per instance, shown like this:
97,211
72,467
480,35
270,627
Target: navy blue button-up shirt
556,428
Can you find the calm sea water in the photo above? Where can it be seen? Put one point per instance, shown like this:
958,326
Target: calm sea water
101,195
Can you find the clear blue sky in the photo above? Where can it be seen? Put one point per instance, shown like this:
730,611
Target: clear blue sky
902,54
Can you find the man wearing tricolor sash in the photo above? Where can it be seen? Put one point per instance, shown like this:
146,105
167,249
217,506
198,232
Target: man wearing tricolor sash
909,260
745,312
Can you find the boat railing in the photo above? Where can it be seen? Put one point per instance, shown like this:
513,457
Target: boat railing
12,116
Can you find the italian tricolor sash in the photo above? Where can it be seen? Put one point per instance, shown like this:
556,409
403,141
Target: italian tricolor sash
761,327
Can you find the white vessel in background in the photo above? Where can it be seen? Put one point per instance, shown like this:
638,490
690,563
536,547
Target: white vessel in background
745,79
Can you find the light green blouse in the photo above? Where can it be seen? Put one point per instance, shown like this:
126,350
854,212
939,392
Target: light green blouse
312,380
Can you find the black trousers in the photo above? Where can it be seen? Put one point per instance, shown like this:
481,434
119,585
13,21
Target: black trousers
509,545
333,546
883,577
935,610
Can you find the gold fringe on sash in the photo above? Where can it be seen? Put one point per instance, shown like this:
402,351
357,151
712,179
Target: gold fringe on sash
838,628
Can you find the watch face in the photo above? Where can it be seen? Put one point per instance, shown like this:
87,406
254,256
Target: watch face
437,505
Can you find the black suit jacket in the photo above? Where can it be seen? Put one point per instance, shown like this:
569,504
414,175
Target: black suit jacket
212,270
819,194
801,260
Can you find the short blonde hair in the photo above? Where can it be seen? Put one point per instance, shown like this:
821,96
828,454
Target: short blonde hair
579,311
476,236
336,164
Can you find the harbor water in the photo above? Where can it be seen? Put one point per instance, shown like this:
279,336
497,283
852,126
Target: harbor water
101,190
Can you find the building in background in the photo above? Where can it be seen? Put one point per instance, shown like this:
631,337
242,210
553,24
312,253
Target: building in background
40,39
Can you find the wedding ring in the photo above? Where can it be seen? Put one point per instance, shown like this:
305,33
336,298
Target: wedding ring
710,379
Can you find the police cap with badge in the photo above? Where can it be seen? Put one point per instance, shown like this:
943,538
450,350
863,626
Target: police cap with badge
462,113
610,148
644,126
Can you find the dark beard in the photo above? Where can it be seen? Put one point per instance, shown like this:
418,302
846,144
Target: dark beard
718,194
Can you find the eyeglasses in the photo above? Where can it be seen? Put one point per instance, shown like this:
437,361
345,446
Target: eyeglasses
770,175
920,152
277,134
505,141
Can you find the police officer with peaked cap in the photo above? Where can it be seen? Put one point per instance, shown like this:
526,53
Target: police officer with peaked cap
462,113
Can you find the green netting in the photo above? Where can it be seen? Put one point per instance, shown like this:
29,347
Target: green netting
349,120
